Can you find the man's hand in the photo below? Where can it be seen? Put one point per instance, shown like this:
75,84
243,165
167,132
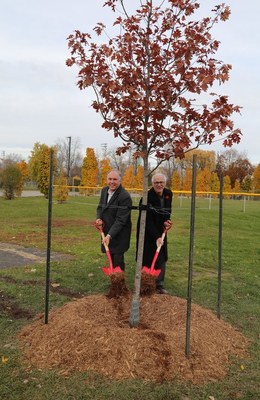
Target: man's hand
159,242
99,224
106,240
168,224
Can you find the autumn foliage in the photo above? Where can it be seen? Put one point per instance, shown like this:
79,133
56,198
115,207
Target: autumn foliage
149,77
39,166
89,169
256,179
153,83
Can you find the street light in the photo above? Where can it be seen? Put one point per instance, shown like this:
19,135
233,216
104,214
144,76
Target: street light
68,169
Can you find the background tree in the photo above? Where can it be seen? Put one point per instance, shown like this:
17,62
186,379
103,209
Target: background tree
226,185
128,177
256,179
89,171
246,185
10,181
148,80
187,179
39,166
215,185
119,162
204,159
138,178
61,190
203,182
69,161
9,159
235,165
236,188
105,167
23,167
176,181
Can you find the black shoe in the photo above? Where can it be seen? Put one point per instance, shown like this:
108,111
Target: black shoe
161,290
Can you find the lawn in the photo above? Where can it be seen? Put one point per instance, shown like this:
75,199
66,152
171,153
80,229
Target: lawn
24,222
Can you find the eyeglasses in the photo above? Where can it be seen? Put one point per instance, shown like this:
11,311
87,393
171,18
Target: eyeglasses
160,183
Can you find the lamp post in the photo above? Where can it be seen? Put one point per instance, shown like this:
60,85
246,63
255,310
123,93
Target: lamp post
69,151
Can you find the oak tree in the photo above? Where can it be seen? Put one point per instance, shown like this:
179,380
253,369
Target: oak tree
153,82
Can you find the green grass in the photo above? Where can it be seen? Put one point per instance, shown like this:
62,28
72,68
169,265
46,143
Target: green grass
24,221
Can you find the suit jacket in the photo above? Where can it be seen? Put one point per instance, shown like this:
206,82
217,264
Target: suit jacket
154,227
116,215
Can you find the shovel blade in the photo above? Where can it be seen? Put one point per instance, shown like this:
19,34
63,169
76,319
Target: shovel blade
111,270
149,271
107,270
117,269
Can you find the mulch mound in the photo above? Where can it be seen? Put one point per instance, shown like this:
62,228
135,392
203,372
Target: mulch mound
93,333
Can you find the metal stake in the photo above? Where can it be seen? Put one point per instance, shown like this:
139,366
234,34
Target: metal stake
47,286
192,224
220,241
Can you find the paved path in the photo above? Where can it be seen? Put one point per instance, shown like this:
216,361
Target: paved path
27,193
12,255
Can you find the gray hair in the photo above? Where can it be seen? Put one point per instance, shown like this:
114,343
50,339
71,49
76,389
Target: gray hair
116,172
159,174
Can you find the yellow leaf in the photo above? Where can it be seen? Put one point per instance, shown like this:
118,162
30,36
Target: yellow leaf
54,285
4,359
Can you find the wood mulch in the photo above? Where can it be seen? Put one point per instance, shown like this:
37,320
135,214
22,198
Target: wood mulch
93,333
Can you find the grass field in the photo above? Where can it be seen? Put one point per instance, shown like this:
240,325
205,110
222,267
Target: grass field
24,221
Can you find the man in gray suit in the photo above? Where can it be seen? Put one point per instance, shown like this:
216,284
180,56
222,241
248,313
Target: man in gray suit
114,214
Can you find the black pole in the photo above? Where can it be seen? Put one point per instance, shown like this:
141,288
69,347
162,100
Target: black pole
47,286
192,225
69,151
220,241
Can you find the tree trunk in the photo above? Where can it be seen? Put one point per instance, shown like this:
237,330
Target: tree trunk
135,309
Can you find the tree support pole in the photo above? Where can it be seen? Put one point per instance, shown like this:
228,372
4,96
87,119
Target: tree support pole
192,225
220,242
47,285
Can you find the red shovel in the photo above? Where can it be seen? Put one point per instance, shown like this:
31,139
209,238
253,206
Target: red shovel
152,270
108,270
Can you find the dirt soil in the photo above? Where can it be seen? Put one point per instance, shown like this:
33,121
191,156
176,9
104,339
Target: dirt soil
93,333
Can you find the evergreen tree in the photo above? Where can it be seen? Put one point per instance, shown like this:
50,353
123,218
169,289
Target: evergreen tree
39,166
89,171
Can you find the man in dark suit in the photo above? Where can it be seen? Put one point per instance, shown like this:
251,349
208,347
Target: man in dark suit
114,214
159,203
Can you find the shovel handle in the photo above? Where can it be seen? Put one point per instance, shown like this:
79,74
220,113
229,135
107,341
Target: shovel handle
103,237
100,229
107,250
162,237
158,250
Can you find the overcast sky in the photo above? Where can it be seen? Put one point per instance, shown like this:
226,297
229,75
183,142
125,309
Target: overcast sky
39,99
